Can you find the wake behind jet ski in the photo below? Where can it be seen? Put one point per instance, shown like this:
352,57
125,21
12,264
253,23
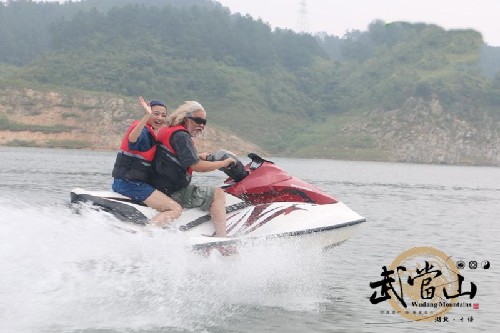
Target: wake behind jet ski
263,203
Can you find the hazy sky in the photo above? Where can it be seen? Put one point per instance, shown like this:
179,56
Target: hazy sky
337,17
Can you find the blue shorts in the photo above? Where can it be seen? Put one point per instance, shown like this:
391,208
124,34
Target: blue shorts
135,190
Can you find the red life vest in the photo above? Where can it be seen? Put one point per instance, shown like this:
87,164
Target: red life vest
134,164
148,155
168,174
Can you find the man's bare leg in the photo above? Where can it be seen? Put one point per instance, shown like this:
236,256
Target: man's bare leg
218,212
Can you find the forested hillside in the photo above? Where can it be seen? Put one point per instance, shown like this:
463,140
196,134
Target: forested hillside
290,93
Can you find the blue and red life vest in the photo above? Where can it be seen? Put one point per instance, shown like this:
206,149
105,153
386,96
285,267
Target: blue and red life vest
134,164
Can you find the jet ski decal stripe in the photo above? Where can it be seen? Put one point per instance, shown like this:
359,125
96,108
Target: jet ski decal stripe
247,218
257,213
206,218
242,217
247,221
283,211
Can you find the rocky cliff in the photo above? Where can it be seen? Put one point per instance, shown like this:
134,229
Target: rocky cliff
84,120
419,132
425,132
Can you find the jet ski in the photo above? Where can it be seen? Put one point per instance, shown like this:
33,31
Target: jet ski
263,203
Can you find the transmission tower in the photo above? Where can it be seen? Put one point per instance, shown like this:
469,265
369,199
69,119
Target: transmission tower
302,25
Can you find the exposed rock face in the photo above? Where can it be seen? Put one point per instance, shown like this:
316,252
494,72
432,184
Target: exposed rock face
419,132
423,132
48,118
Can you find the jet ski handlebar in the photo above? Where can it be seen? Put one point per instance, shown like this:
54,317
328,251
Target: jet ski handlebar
235,170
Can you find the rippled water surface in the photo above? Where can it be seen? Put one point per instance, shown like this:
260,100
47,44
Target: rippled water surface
63,272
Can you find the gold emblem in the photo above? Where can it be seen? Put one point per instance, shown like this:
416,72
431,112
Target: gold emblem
424,277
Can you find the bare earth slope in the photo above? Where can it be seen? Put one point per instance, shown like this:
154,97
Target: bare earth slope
84,120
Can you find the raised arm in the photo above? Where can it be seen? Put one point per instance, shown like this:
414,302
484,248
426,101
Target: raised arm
136,132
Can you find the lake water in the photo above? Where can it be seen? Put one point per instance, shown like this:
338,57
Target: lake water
63,272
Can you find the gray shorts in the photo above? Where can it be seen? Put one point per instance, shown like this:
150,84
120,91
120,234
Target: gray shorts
193,196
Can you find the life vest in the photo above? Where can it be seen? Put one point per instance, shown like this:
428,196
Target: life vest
133,164
168,174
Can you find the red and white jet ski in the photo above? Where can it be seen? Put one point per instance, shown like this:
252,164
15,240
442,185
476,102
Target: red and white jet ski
263,203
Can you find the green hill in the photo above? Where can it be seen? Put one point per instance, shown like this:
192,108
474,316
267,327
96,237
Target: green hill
293,94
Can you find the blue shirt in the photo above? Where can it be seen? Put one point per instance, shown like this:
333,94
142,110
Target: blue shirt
144,141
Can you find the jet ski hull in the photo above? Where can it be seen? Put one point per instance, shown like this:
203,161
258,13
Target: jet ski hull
305,224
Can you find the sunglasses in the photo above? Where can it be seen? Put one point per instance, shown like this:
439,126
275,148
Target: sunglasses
198,120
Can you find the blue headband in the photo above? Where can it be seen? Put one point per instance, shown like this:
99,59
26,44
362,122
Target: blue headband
153,103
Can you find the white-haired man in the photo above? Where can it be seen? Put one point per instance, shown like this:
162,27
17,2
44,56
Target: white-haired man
176,158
